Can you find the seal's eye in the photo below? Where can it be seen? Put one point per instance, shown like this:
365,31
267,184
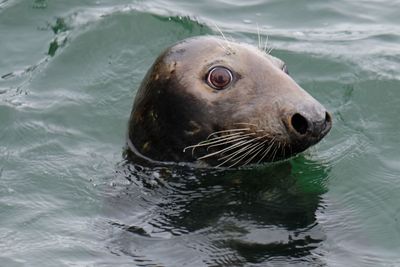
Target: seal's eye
219,78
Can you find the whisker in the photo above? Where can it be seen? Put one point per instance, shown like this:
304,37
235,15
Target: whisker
225,131
224,150
213,140
239,138
250,150
267,149
270,50
222,138
217,142
275,151
223,36
240,146
234,154
266,44
222,46
240,150
258,150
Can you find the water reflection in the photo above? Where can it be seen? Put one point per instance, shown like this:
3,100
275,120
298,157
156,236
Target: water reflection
180,216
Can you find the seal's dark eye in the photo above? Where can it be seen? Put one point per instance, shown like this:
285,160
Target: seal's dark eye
219,78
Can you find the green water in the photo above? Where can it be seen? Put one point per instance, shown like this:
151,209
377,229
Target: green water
69,71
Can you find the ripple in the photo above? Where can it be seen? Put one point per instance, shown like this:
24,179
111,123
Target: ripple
211,215
66,91
6,4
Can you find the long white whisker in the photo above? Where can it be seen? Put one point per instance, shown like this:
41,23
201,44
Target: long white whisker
218,142
223,36
221,138
267,150
222,46
237,138
270,50
209,141
225,131
258,150
266,44
240,150
233,155
275,151
250,150
223,150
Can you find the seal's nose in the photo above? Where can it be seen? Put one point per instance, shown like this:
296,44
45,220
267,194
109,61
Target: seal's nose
310,127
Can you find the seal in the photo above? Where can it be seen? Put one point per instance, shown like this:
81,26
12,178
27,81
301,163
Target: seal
222,103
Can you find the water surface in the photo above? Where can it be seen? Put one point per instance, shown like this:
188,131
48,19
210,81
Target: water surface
69,71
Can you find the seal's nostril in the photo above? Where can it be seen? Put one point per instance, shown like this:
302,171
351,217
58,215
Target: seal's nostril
299,123
328,117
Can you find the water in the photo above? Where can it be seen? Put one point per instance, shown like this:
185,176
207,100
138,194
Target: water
69,71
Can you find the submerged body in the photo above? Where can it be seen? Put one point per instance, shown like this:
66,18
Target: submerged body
222,103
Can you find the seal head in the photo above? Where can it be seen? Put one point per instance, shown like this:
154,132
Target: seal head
222,103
